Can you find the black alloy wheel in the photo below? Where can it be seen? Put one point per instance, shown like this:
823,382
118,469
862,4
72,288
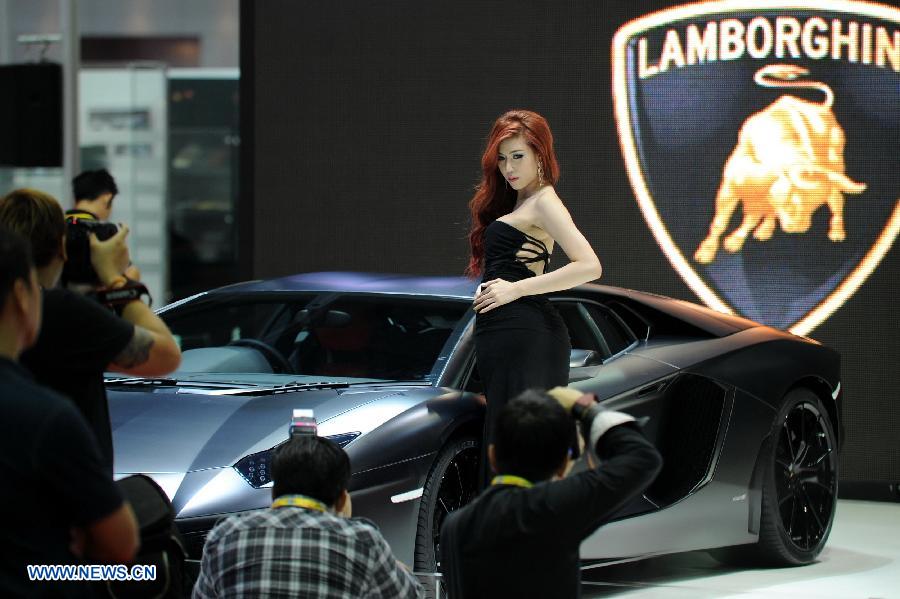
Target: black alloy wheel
799,467
805,473
452,483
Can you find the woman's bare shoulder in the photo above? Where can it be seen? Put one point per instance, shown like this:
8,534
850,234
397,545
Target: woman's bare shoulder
547,198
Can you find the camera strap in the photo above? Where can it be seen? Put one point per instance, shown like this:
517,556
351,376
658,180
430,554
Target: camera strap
299,501
73,216
510,479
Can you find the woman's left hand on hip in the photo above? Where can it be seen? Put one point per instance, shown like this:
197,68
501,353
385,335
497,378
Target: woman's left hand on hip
494,294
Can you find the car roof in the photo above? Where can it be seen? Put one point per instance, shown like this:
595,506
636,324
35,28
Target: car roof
460,287
463,288
363,282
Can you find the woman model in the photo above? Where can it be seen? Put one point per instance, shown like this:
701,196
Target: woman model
521,340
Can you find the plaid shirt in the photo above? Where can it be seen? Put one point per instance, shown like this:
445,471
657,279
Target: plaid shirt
297,552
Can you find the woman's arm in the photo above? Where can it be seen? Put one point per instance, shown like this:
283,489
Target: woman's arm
584,266
551,216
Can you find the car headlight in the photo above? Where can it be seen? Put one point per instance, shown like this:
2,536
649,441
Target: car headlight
256,467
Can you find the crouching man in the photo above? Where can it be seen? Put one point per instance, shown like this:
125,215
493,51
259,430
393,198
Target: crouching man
306,544
521,536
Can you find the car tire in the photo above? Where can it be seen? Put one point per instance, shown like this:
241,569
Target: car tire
799,486
451,484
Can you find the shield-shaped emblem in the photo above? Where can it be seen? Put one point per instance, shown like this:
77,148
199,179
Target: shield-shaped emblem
762,141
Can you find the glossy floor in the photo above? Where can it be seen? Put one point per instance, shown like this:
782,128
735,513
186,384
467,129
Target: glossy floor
861,560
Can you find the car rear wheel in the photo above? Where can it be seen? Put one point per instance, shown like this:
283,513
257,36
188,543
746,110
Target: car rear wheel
799,487
451,484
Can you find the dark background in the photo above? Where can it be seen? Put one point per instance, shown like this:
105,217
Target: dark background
363,123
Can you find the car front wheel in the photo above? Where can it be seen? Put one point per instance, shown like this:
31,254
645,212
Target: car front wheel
451,484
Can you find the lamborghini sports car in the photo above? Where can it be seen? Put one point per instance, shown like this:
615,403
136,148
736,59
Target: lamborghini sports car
745,416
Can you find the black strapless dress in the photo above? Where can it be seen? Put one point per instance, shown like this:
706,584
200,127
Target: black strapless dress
523,344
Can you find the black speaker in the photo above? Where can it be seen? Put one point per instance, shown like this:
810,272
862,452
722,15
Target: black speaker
31,117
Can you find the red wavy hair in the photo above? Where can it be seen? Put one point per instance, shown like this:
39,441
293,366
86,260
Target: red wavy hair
493,197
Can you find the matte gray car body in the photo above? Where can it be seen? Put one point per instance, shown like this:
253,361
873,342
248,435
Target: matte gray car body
188,432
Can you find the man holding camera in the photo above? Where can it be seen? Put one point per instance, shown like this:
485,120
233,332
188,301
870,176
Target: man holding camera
60,503
521,536
306,544
94,192
83,337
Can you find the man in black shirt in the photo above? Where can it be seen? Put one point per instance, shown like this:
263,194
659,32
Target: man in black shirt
58,502
94,192
81,338
521,536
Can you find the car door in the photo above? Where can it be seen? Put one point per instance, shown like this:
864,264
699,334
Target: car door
669,514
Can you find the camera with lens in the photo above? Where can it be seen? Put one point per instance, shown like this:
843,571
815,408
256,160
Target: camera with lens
78,268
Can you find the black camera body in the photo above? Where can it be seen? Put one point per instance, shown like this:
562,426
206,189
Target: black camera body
78,268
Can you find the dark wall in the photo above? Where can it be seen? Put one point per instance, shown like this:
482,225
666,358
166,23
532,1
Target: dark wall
363,126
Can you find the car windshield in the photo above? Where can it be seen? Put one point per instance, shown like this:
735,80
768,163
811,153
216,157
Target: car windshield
328,336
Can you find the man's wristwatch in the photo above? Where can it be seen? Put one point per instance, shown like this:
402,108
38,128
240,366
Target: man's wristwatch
121,291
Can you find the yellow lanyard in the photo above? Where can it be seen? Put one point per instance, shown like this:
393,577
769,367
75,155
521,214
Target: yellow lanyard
509,479
299,501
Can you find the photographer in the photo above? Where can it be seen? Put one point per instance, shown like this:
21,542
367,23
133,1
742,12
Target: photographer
521,536
306,544
81,337
94,192
60,503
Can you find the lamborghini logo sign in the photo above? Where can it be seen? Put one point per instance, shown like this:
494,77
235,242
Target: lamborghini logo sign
761,147
788,162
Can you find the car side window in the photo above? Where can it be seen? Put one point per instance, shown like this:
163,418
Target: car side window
580,333
595,328
370,338
616,335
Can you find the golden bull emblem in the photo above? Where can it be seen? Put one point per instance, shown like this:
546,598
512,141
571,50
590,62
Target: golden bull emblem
785,169
788,162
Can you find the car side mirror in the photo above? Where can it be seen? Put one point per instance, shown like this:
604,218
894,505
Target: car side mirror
579,358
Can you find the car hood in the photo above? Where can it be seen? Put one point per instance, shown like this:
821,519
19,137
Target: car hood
168,430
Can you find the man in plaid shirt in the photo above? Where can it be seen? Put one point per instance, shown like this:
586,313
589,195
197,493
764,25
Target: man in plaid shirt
306,544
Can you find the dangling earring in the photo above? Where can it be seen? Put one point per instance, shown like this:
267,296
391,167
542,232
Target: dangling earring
540,175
